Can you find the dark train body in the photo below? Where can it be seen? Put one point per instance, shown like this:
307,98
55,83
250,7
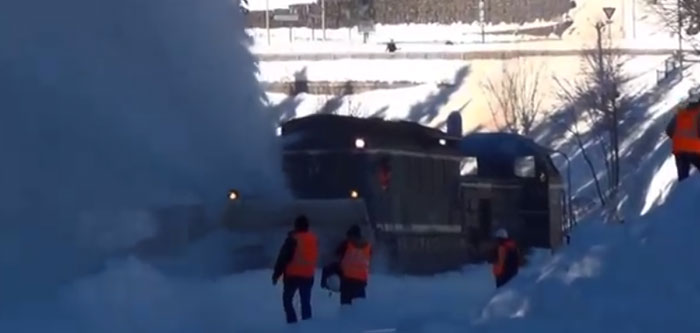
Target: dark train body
428,208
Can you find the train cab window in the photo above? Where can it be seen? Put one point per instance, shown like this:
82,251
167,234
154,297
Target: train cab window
469,166
524,167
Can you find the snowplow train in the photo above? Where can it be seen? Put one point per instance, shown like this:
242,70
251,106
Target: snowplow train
429,201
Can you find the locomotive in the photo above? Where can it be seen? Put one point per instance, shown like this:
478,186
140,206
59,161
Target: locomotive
428,199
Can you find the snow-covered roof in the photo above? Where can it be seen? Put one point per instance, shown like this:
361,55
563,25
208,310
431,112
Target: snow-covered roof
506,144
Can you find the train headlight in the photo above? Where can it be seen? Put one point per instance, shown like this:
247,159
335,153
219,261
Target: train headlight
233,195
443,142
359,143
354,194
279,131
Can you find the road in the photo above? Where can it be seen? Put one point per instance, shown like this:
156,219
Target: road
454,55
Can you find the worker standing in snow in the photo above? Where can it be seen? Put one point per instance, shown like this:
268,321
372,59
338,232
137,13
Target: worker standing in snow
684,131
507,258
297,262
355,254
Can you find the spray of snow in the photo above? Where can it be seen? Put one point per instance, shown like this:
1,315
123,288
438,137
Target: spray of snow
112,108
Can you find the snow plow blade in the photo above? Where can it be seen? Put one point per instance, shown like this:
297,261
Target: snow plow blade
260,227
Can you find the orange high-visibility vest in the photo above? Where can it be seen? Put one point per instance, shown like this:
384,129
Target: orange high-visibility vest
355,263
303,263
503,250
685,137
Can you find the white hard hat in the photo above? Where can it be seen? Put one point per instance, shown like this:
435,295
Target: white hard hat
501,233
333,283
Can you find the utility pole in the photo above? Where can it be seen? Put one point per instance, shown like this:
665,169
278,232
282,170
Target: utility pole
680,37
267,20
323,18
482,17
623,19
634,19
599,39
608,105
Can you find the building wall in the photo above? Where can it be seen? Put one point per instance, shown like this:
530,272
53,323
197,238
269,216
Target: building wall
344,13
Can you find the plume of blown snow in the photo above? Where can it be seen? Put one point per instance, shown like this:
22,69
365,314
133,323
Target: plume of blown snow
111,108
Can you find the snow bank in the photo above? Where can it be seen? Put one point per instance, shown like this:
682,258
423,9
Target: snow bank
639,277
422,71
383,103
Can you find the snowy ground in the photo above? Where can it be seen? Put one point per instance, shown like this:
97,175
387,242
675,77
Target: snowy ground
612,278
423,71
430,102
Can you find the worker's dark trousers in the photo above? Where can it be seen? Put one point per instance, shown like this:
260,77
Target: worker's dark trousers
502,279
291,285
351,289
683,162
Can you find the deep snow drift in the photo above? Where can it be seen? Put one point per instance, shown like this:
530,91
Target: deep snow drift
113,107
639,277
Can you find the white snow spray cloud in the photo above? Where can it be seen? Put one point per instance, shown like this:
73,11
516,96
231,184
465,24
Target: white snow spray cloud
109,108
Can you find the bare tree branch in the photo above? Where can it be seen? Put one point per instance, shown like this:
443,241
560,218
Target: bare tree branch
685,18
565,94
594,101
515,100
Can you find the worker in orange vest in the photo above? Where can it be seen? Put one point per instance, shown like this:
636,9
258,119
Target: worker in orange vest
354,254
297,262
684,131
507,258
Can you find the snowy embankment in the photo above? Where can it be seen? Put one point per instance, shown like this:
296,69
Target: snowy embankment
637,277
456,86
622,278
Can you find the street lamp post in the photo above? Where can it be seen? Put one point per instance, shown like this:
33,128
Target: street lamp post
482,18
267,20
634,20
680,37
323,18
